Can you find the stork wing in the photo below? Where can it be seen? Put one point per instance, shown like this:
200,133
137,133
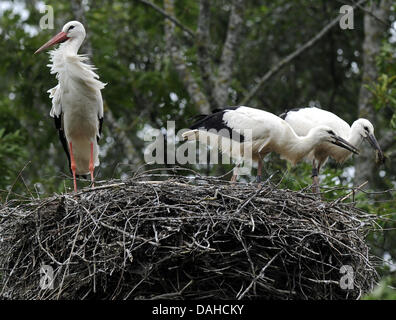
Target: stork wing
239,119
260,122
56,113
304,119
62,137
100,114
55,95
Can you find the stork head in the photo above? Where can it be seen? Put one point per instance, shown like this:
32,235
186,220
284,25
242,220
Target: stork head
72,31
365,129
327,134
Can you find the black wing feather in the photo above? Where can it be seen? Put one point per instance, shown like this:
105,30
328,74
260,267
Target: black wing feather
100,129
215,121
284,114
62,137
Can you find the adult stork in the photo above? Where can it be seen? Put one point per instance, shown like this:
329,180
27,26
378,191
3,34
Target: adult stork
77,104
302,120
267,133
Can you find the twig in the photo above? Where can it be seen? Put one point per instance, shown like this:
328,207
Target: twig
259,275
353,192
19,174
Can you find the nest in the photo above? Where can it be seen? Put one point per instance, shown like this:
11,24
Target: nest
183,238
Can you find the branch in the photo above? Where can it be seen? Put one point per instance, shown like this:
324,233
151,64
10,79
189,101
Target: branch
202,44
229,52
293,55
178,60
171,17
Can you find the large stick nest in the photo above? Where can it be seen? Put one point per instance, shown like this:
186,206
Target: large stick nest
183,238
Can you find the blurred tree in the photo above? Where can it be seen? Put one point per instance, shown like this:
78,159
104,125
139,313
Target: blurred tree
375,27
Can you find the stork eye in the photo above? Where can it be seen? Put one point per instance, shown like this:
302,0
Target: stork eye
331,132
366,128
71,27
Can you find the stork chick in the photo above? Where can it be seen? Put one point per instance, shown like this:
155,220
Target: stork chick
304,119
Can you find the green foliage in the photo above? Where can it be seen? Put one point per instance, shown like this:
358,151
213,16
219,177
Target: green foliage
384,89
11,156
386,290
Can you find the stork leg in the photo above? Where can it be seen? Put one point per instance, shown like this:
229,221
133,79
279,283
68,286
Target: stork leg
234,175
91,166
73,166
315,178
259,170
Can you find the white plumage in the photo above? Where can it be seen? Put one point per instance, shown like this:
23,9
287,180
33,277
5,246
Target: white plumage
269,133
304,119
77,104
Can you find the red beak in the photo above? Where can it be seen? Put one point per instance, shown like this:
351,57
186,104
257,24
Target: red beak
60,37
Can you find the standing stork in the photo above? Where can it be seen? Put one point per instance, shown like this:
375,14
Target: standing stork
267,133
304,119
77,104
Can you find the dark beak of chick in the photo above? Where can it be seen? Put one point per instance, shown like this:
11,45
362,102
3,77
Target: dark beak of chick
374,143
344,144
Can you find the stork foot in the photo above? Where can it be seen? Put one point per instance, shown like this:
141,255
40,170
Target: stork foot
258,179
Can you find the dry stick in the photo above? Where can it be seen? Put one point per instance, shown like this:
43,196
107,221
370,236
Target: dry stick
70,256
170,17
350,193
259,275
293,55
19,174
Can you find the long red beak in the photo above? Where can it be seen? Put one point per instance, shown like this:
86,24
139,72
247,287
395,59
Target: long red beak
60,37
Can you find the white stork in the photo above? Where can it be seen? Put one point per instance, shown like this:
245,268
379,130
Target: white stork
304,119
269,133
77,104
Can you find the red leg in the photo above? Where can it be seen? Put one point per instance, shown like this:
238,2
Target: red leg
73,166
91,166
315,178
259,170
234,175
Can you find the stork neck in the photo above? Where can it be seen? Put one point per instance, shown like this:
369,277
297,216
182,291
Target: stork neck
71,46
307,143
355,138
301,145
